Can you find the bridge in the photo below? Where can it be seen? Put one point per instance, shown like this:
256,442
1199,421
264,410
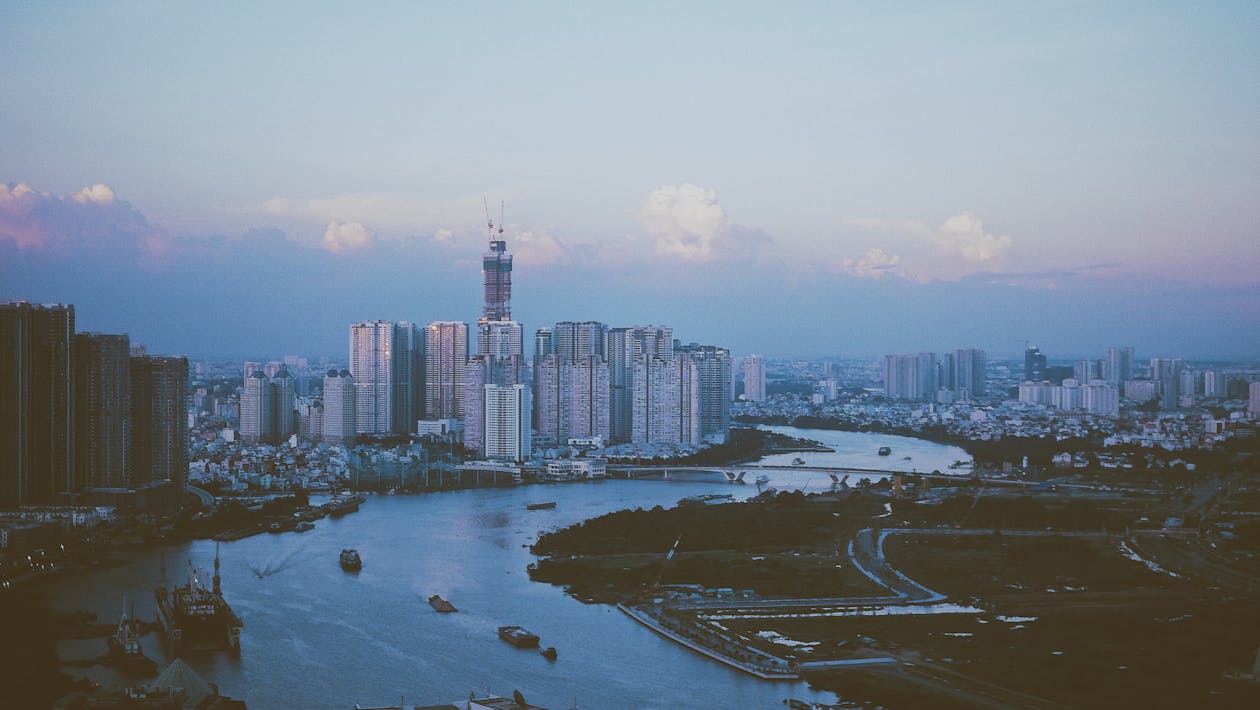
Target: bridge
838,474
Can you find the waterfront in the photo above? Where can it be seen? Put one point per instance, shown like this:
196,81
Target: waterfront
317,636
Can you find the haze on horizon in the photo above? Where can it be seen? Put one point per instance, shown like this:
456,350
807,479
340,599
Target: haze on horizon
812,179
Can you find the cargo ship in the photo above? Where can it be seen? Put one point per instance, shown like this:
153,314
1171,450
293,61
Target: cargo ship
541,506
441,604
518,637
342,505
195,617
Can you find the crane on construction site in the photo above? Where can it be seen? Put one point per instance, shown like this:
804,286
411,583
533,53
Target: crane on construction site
661,572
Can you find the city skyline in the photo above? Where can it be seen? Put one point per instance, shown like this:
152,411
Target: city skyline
1074,178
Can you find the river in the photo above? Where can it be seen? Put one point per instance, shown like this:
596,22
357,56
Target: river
318,637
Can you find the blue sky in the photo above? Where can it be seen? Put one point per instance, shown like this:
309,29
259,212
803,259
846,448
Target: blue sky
800,178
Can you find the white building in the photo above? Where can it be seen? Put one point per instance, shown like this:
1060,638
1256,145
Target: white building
573,469
371,366
258,409
339,408
507,429
755,378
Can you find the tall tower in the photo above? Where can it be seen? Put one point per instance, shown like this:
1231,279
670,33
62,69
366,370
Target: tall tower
258,409
339,410
496,277
102,393
37,394
159,424
446,355
371,365
755,378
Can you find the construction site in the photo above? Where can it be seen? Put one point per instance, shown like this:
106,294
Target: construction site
923,591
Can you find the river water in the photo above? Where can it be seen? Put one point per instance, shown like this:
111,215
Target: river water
318,637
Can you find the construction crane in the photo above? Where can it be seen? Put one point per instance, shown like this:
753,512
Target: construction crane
661,573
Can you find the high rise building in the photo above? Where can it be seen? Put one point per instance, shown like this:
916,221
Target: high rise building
574,340
159,427
911,377
755,378
1085,371
37,462
1253,398
1034,365
1119,365
571,399
284,391
258,409
446,355
1214,384
713,387
339,408
622,347
496,279
371,365
102,409
1167,373
970,372
500,338
507,431
407,375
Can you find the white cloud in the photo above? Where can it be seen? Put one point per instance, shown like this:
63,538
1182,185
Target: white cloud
958,248
539,248
346,237
98,193
685,220
964,234
874,264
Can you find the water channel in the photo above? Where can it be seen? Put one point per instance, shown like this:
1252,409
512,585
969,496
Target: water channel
318,637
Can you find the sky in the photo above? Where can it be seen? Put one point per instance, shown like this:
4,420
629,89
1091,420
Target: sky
794,179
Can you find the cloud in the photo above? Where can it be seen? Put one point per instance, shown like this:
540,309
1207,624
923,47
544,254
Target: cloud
90,220
685,220
346,237
959,247
875,264
99,193
539,248
964,234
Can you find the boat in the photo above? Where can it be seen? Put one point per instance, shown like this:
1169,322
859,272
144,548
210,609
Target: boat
541,506
549,653
885,450
518,637
906,458
304,526
125,651
195,617
763,479
350,560
342,505
798,461
441,604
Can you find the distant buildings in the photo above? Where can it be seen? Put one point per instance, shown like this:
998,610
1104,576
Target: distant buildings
755,378
1253,398
1034,365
